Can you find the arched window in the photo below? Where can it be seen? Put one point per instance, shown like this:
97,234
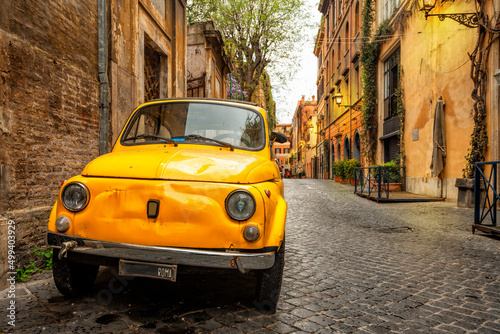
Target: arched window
347,148
333,152
347,33
338,151
356,147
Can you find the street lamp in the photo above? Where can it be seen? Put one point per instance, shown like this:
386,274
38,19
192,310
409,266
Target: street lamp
338,99
467,19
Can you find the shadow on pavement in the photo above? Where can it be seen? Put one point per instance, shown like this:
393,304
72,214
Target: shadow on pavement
127,304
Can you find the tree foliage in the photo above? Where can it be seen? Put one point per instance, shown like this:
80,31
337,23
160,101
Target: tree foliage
257,33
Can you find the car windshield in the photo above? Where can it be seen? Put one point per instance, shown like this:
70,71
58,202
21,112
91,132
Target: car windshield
187,123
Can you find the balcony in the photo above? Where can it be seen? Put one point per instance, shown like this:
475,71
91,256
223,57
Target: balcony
391,125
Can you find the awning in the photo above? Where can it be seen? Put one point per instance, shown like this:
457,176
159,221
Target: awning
392,134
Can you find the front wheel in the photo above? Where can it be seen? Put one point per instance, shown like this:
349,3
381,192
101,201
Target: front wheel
72,279
269,283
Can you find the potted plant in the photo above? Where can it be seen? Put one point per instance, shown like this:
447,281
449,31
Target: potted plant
394,179
334,176
350,167
340,171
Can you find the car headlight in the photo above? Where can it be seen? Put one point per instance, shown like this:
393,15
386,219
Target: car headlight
240,205
75,196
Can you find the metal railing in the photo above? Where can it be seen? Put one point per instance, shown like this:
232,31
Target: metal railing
379,181
485,194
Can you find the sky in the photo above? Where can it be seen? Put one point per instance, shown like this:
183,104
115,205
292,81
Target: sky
304,81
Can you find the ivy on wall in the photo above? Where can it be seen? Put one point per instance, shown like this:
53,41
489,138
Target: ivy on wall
401,112
479,57
370,51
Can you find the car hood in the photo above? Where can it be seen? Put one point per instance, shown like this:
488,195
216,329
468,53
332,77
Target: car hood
184,164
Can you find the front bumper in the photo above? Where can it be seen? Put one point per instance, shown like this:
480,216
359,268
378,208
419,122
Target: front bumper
164,255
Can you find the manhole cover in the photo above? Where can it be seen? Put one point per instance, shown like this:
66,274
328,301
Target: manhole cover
399,229
403,229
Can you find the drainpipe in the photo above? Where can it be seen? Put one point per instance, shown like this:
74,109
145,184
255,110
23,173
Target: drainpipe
103,77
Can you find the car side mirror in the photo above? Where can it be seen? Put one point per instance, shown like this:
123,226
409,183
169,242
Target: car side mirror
278,137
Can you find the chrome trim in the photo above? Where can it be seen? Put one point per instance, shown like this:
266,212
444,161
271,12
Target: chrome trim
165,255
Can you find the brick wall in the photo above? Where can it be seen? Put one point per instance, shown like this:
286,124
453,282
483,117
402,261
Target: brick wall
49,110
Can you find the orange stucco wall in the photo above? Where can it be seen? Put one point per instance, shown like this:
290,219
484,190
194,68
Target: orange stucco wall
435,63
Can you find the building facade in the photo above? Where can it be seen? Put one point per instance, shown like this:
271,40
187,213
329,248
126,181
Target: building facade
282,150
423,62
147,54
428,60
303,140
207,63
71,73
338,50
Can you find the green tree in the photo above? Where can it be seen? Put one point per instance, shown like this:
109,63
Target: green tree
200,10
257,33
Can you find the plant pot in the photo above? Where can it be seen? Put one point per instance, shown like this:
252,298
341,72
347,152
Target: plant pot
337,178
344,181
353,182
326,176
466,192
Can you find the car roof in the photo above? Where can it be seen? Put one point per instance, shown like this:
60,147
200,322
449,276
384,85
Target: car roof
208,99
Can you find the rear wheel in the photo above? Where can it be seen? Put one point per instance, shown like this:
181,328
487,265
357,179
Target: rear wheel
269,283
72,279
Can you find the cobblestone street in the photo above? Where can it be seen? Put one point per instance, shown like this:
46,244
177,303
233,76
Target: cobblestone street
352,266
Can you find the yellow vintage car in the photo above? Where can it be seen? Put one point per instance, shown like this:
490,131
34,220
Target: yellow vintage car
189,182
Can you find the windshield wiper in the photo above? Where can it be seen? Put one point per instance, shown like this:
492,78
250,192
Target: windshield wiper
145,135
193,136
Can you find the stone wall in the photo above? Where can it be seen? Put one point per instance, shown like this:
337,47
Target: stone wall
49,112
49,95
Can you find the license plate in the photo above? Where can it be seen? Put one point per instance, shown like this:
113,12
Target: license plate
151,270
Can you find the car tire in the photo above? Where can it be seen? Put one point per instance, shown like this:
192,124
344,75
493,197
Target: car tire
269,283
73,279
